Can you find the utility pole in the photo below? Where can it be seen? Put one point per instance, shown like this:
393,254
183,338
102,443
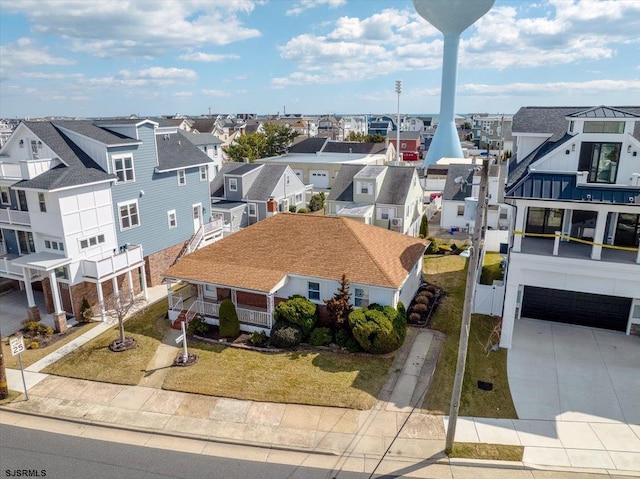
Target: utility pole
4,387
478,235
398,91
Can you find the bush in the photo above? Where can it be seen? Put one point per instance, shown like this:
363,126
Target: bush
425,294
285,335
320,337
432,289
292,208
34,345
86,311
302,210
424,226
422,300
433,246
297,310
444,248
317,202
345,339
37,328
379,331
229,324
258,338
414,317
420,308
197,326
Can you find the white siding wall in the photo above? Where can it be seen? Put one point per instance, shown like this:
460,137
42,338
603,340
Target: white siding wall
526,144
96,150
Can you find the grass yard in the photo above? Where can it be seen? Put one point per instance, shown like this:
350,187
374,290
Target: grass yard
491,269
449,272
299,377
94,360
30,356
487,452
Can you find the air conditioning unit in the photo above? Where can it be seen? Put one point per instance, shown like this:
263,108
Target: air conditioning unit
396,222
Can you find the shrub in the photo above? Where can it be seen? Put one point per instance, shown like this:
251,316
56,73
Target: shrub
345,339
292,208
258,338
86,311
36,327
197,326
229,324
302,210
426,294
320,337
422,300
424,227
379,331
297,310
414,317
317,202
34,345
420,308
432,289
443,248
285,335
339,307
433,245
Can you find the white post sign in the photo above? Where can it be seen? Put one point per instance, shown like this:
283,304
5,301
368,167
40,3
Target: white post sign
17,346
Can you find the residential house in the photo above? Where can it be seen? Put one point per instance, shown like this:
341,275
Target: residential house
386,196
409,145
316,161
290,254
93,207
353,124
492,132
460,197
575,189
245,193
329,127
382,126
210,145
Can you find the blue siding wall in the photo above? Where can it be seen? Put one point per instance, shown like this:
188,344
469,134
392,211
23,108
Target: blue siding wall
161,194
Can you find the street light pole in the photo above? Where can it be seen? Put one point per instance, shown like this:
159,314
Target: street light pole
398,91
4,388
474,258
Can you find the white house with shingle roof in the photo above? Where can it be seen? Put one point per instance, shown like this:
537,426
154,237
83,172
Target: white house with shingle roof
291,254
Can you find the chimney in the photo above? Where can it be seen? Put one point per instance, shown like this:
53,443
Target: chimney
272,207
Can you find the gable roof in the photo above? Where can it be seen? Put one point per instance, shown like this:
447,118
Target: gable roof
354,147
259,257
308,145
200,139
265,183
458,191
80,169
217,184
204,125
174,151
396,185
603,112
89,129
342,189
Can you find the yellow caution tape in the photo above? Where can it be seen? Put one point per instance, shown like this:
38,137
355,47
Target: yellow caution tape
577,240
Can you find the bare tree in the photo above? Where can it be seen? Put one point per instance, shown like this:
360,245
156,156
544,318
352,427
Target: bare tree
117,308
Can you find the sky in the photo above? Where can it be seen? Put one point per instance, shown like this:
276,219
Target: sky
82,58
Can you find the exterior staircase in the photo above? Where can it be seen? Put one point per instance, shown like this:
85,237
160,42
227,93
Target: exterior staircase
177,323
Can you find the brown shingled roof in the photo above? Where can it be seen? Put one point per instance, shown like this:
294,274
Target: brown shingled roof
260,256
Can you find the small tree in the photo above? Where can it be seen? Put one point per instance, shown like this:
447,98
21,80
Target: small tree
86,311
297,310
339,307
117,308
317,201
424,227
229,324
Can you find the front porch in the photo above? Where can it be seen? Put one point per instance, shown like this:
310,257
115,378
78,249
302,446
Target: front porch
556,246
255,310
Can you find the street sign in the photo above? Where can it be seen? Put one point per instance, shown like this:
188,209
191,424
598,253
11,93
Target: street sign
17,345
179,338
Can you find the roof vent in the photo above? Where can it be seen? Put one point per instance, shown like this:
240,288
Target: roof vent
179,143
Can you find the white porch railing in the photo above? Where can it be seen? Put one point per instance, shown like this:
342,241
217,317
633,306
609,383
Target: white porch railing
15,217
3,249
112,264
8,268
245,316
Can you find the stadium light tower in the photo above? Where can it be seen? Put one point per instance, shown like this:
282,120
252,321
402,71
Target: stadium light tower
451,17
398,91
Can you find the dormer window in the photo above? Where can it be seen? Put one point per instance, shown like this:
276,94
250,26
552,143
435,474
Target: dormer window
600,160
123,168
365,188
616,127
571,126
233,184
34,150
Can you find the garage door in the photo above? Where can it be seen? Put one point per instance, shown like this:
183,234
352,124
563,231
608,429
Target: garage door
595,310
319,178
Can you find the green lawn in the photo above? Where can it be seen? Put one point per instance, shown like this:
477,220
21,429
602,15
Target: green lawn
449,272
491,269
299,377
96,362
487,452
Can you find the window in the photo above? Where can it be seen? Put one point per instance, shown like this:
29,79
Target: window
22,201
233,184
42,202
61,272
252,209
25,242
123,168
128,213
600,160
361,298
53,245
182,178
603,127
4,195
460,210
172,219
92,241
314,291
34,150
571,126
203,173
298,198
365,188
544,220
287,180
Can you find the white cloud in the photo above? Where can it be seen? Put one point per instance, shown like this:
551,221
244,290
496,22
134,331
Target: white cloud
207,57
219,93
157,76
111,28
24,53
183,94
304,5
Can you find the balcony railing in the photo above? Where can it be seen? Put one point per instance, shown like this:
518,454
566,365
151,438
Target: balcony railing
571,249
8,269
101,268
15,217
10,171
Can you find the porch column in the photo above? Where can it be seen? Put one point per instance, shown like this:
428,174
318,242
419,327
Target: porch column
519,226
200,292
33,312
270,308
130,279
100,300
143,283
60,317
234,297
601,222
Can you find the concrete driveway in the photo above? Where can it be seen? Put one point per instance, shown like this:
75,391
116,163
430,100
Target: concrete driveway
563,372
13,310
